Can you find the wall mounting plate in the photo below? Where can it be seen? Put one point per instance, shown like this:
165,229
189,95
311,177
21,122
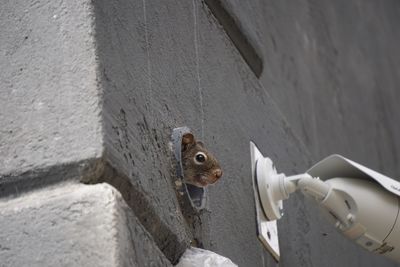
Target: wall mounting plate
267,231
267,182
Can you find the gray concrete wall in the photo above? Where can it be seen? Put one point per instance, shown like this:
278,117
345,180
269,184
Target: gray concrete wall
332,67
338,60
107,81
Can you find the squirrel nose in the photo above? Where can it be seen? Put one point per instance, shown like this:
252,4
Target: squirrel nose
217,173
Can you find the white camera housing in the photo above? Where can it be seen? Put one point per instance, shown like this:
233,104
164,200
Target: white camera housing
372,202
363,204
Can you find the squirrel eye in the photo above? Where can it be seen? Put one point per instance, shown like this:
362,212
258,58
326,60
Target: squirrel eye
200,157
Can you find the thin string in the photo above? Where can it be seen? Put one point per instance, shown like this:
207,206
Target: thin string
196,49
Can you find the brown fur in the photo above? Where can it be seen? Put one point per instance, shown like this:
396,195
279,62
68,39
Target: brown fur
199,174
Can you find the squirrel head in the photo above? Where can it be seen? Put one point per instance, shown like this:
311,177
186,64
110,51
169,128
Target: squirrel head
200,167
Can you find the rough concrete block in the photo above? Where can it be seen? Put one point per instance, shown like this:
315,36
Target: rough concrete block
74,225
49,103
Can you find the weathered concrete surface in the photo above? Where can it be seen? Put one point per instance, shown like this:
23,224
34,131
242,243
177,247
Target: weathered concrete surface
74,225
170,64
50,118
50,103
162,64
332,67
135,146
166,65
170,234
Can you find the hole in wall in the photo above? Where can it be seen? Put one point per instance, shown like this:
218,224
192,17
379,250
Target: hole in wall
195,195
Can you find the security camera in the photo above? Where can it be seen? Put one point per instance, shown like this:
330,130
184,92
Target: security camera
362,204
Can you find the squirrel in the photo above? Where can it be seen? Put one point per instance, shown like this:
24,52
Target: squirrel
200,167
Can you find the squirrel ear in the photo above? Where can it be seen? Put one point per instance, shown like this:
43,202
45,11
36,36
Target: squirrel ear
187,140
